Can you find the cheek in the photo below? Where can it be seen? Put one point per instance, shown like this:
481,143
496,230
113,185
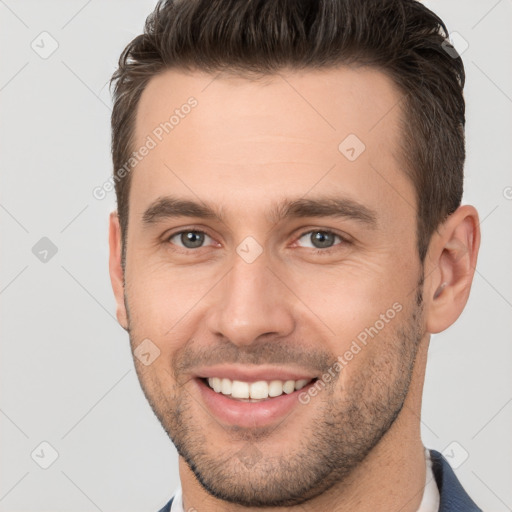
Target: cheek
158,302
355,302
352,289
168,305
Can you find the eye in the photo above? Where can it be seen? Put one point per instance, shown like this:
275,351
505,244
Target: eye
188,239
322,240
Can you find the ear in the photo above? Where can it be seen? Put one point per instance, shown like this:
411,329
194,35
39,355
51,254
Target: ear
450,267
115,268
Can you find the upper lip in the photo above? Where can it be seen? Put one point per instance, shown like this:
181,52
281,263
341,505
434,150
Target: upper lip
253,374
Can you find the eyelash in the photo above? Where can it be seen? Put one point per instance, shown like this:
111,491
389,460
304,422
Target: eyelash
321,252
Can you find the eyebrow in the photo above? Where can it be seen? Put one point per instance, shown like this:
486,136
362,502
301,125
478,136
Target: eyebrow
168,207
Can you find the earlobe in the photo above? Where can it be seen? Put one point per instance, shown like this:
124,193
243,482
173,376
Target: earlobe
452,259
115,268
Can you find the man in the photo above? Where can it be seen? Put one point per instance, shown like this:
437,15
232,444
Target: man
289,234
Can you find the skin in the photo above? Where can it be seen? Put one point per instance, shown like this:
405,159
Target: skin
247,145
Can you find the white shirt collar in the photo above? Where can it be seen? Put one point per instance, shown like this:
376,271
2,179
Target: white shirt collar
430,501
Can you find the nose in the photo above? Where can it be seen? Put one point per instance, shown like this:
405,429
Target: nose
250,302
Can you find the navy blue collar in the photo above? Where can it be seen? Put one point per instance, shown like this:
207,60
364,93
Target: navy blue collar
453,497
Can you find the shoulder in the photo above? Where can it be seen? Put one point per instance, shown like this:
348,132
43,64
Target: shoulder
453,497
167,507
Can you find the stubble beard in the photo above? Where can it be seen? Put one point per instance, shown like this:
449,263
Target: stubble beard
344,426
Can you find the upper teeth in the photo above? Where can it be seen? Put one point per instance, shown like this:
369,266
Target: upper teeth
260,389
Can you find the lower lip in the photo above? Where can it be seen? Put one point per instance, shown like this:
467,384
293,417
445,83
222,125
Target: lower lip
249,414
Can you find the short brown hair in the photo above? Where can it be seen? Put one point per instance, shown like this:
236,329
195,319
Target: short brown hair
402,38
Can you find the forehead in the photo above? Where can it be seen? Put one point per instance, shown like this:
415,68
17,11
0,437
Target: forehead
214,136
327,103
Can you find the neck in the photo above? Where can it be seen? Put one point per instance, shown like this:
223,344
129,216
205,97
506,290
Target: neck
391,477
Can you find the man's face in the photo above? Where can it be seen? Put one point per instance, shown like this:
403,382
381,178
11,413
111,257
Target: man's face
254,297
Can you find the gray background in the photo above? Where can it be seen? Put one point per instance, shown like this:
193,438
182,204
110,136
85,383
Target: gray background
66,372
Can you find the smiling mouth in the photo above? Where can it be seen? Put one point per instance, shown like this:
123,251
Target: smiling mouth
258,391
